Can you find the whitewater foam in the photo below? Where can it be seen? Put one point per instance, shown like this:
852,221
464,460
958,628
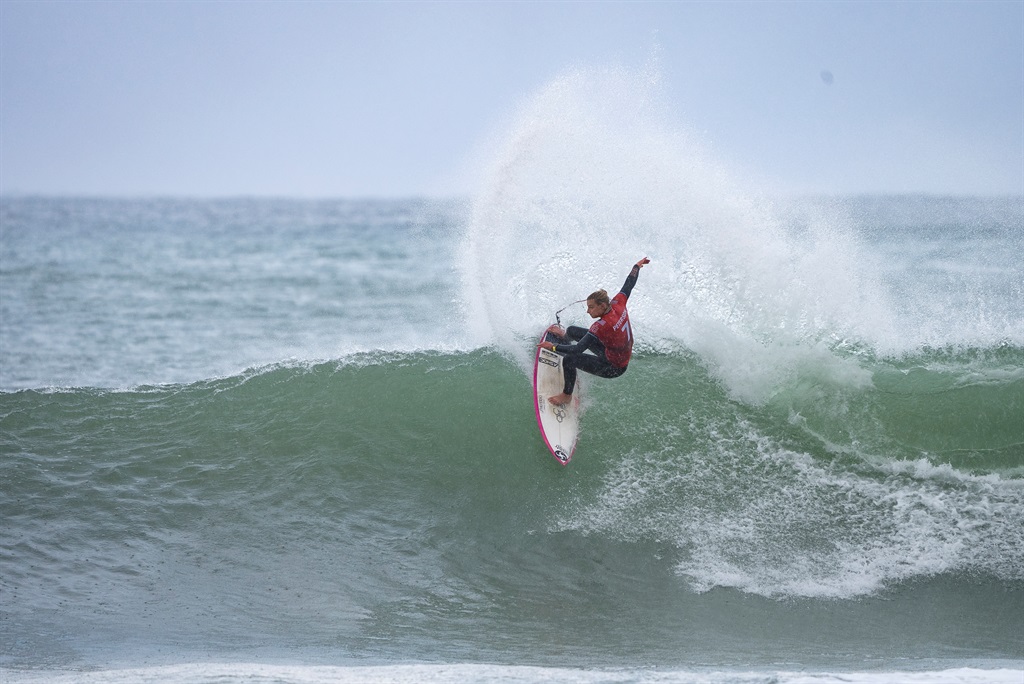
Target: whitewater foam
593,175
595,172
472,673
784,524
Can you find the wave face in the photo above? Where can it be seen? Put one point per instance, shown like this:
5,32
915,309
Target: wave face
367,506
241,429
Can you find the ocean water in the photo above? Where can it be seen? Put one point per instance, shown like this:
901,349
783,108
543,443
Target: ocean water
293,441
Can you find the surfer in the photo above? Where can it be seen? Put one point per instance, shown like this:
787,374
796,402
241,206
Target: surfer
609,339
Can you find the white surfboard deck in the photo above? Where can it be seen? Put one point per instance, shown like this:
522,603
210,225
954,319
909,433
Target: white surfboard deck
559,425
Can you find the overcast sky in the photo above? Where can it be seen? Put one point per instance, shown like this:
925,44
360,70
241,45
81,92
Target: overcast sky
347,99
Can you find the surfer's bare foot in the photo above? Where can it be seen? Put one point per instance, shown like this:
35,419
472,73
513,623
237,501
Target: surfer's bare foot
560,399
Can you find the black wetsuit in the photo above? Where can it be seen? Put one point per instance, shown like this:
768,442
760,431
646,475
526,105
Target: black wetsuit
595,363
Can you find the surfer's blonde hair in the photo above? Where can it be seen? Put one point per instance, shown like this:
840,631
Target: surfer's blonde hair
601,297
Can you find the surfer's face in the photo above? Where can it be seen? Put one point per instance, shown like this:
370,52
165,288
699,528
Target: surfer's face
597,310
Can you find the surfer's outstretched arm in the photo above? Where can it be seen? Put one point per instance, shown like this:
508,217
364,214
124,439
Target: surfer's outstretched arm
627,287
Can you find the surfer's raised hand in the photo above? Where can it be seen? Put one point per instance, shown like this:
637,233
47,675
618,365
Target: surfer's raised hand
643,262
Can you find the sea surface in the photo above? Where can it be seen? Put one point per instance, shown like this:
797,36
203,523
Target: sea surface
284,440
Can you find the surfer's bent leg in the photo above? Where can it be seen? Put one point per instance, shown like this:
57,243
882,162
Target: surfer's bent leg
575,357
575,333
588,363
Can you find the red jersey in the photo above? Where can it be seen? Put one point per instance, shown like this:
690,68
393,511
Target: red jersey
614,332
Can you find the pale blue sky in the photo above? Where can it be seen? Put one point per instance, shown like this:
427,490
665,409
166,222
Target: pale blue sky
345,99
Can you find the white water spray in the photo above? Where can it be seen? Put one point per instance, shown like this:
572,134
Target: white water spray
592,176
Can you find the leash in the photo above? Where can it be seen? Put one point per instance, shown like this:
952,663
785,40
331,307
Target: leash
558,320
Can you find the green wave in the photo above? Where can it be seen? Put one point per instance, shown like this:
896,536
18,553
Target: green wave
825,489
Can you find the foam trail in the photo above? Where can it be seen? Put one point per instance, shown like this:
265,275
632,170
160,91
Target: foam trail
802,527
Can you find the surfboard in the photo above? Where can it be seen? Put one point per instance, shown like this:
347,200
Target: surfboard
559,425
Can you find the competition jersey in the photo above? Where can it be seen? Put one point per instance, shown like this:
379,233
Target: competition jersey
613,331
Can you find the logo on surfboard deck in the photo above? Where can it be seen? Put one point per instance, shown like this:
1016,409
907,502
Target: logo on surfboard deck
547,361
559,413
560,454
